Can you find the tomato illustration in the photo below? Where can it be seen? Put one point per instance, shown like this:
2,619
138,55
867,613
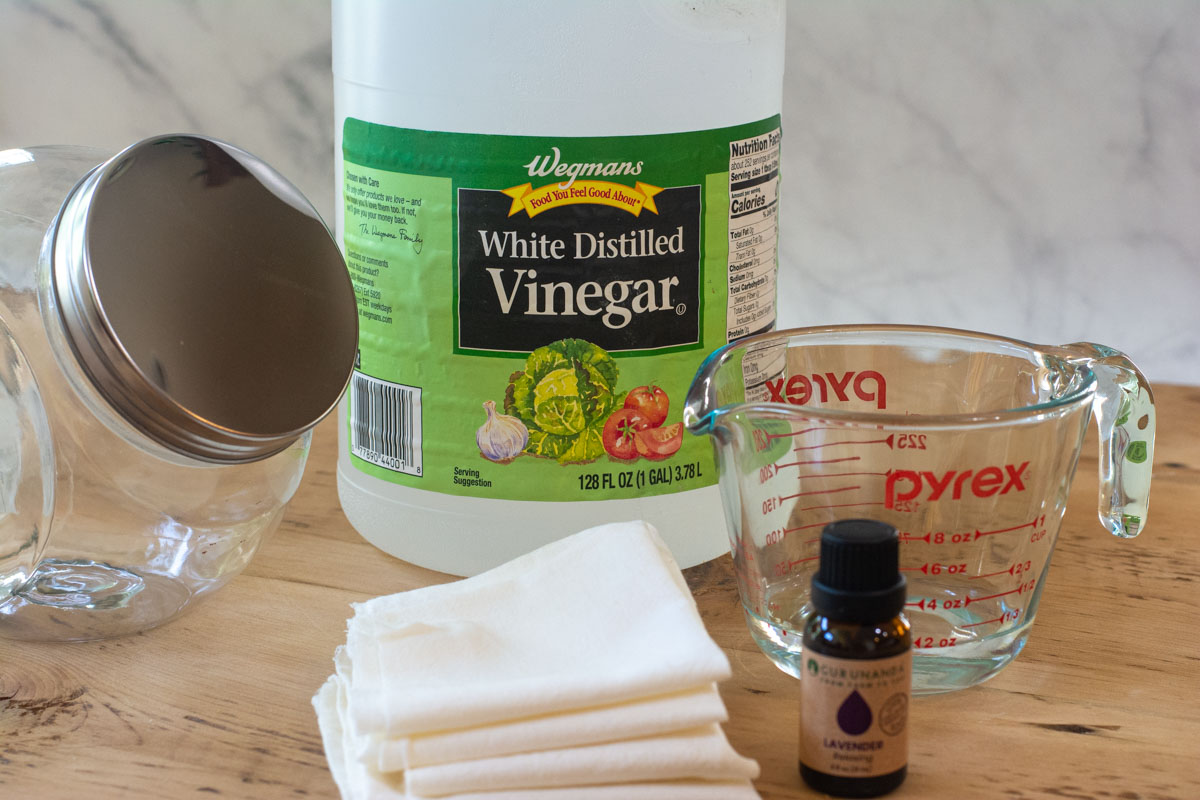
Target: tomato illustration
659,443
652,401
620,433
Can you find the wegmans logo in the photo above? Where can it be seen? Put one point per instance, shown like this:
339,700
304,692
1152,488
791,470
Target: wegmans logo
534,201
544,165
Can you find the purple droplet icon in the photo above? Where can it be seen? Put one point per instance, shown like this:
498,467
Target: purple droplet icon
854,715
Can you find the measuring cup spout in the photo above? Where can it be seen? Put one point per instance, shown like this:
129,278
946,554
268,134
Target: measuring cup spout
1123,407
718,389
701,405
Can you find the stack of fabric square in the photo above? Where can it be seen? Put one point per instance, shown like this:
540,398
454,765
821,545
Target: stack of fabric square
579,671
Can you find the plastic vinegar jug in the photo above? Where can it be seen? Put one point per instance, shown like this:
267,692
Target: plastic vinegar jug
551,213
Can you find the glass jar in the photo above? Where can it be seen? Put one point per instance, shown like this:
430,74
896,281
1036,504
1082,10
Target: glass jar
174,320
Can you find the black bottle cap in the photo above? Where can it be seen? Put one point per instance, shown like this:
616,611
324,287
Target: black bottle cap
859,577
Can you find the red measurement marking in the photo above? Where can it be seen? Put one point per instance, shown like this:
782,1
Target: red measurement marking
786,531
1008,571
985,622
937,568
821,461
818,491
993,596
1017,569
908,537
801,477
801,561
920,605
771,436
1025,587
1034,524
843,475
888,441
844,505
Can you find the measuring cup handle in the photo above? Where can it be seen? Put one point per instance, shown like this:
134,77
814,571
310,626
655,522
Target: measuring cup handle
1123,408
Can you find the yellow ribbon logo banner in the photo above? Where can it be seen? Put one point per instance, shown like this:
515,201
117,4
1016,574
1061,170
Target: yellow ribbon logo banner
534,201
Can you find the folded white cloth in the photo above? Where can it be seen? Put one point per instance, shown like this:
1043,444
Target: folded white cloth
697,753
358,781
672,790
638,718
597,618
581,671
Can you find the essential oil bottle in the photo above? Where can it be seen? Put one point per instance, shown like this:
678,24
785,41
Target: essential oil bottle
857,681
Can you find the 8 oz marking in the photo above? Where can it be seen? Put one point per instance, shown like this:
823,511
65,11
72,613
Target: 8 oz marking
953,538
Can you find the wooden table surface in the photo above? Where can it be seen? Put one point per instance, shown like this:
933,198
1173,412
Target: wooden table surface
1104,703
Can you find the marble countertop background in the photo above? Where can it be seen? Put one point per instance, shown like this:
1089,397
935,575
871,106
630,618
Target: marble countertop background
1028,169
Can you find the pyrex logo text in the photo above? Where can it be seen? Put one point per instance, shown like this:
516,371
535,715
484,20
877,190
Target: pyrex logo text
798,389
906,484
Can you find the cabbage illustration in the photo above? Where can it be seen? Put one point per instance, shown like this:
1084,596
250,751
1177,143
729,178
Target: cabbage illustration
564,395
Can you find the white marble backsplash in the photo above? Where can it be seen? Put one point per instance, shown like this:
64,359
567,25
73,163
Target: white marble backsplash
1028,169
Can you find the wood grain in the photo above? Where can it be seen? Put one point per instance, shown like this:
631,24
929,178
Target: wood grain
1104,704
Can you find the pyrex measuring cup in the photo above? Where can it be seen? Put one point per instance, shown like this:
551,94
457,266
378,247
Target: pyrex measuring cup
965,442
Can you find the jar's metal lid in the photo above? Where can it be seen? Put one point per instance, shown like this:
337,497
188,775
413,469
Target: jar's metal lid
204,298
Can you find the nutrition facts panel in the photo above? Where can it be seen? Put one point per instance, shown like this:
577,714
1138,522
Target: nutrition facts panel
753,211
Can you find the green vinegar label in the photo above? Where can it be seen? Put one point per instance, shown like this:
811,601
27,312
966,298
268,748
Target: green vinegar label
532,309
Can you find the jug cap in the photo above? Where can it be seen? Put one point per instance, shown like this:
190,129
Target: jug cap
203,298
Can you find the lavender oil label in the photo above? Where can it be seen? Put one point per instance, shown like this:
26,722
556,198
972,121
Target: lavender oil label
854,714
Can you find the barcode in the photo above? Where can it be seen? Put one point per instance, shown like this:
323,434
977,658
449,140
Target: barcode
385,423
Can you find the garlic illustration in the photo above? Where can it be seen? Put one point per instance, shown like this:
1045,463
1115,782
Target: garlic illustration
501,438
